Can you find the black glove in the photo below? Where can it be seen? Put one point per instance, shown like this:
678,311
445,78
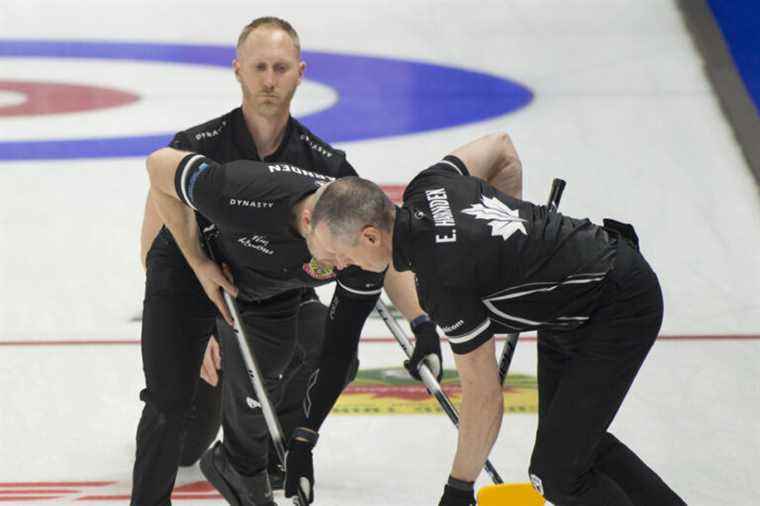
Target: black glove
299,468
428,343
458,493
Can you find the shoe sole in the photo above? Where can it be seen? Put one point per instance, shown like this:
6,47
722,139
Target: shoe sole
217,480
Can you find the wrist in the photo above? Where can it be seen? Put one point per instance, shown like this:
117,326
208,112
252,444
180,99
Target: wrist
197,260
420,320
458,493
304,436
463,485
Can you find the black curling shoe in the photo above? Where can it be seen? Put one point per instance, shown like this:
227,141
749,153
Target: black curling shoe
237,489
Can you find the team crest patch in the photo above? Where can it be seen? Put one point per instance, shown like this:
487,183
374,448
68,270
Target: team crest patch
317,270
504,221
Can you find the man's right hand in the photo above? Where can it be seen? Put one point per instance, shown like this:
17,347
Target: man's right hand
213,280
428,348
212,362
453,496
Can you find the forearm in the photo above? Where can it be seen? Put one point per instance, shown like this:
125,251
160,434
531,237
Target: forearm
401,290
494,159
481,410
507,175
163,166
179,219
150,227
181,222
479,425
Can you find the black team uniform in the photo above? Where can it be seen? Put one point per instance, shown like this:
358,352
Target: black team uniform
252,204
488,263
182,413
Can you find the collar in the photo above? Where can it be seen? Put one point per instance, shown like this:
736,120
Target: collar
247,146
402,240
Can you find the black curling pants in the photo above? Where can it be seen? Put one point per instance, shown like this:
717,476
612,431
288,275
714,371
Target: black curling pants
180,408
177,321
285,335
583,377
205,419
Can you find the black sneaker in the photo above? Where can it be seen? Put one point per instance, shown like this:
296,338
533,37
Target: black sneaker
237,489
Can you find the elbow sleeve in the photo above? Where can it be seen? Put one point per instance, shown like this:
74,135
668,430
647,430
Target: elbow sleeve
345,320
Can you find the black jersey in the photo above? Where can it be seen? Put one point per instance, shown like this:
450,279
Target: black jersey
227,138
251,203
485,262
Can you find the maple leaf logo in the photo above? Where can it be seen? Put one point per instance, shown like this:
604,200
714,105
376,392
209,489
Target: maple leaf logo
503,220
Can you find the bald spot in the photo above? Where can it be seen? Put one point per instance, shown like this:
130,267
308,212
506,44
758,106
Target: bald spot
268,42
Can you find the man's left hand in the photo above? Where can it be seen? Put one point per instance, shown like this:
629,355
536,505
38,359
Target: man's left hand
427,347
212,362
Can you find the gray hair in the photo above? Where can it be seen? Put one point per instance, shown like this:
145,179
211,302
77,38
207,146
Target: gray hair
350,204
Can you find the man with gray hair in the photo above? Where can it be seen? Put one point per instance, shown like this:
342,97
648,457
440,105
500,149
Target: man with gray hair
487,262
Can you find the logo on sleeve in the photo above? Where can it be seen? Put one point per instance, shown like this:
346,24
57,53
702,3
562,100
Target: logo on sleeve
316,147
452,327
251,203
284,167
503,220
208,134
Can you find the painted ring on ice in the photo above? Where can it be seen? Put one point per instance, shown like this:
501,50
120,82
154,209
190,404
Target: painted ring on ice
378,97
40,98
